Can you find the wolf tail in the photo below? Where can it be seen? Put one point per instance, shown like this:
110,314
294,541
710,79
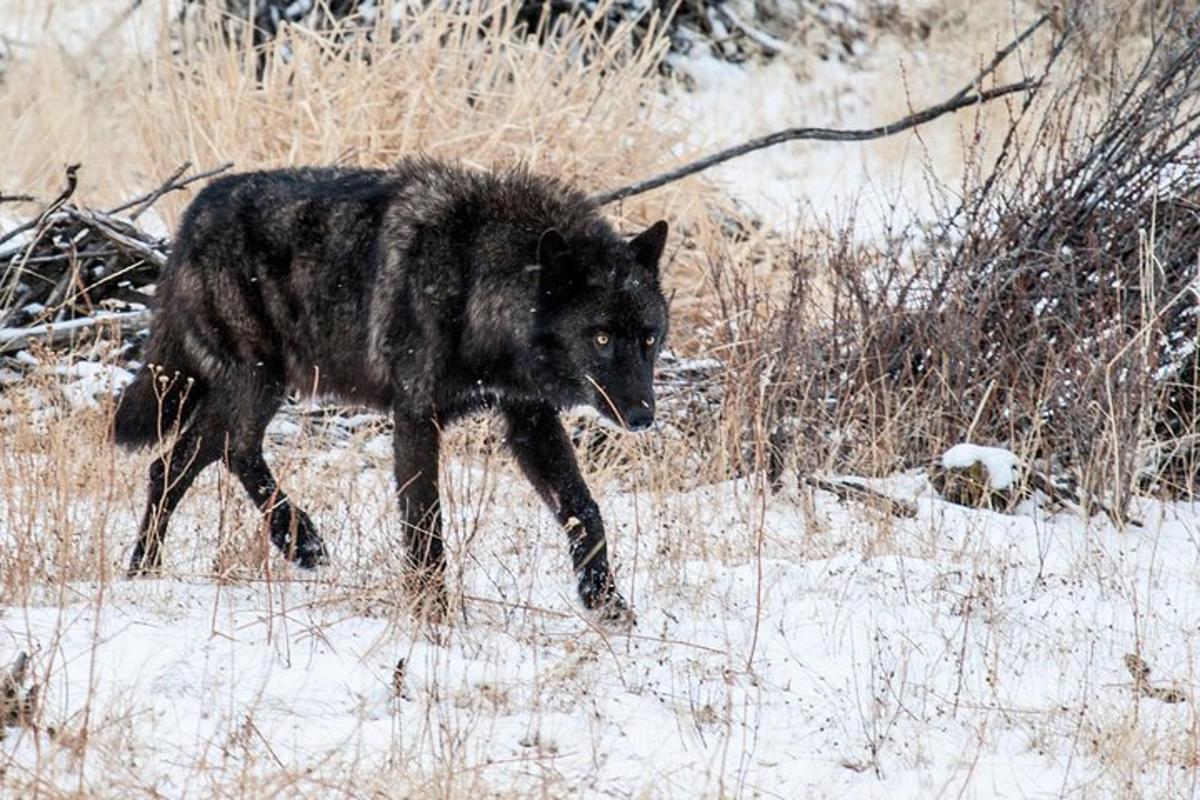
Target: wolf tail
163,395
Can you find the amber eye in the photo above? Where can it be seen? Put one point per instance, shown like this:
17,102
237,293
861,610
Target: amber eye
603,339
650,340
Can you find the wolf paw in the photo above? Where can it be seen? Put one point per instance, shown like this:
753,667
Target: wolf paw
145,561
17,705
311,553
614,610
427,592
601,597
305,547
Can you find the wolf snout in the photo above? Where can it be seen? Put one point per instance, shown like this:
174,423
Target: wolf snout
640,417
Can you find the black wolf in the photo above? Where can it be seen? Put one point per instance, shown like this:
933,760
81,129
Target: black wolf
427,289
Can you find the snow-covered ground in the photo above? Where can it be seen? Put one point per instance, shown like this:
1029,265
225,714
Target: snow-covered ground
787,646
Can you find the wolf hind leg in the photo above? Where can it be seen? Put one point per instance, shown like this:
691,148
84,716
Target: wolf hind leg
171,475
231,425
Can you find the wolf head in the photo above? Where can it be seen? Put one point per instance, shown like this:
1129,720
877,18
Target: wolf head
603,320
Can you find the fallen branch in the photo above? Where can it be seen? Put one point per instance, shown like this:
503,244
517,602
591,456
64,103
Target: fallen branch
846,490
769,44
118,233
55,333
967,96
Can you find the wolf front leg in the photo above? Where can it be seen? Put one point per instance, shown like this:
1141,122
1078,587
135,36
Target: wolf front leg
415,445
547,458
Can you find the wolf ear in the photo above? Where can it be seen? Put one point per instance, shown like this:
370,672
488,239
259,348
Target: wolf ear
553,255
648,245
552,249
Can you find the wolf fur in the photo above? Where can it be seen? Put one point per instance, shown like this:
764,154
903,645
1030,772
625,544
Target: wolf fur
428,290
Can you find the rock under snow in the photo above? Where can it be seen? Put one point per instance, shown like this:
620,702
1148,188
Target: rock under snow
999,464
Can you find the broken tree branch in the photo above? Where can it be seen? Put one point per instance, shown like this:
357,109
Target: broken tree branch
847,490
111,229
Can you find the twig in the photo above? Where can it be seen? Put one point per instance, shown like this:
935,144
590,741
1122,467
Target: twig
149,199
72,182
170,185
1001,54
68,256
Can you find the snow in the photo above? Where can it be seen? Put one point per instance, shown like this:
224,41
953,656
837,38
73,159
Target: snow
83,28
1001,465
964,652
8,222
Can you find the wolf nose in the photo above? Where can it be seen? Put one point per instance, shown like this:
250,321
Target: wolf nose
639,418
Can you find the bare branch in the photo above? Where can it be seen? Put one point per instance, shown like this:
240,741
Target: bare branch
72,182
1001,54
172,184
810,134
969,95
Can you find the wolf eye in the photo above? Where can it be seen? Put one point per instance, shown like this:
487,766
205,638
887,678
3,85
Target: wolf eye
650,340
603,339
